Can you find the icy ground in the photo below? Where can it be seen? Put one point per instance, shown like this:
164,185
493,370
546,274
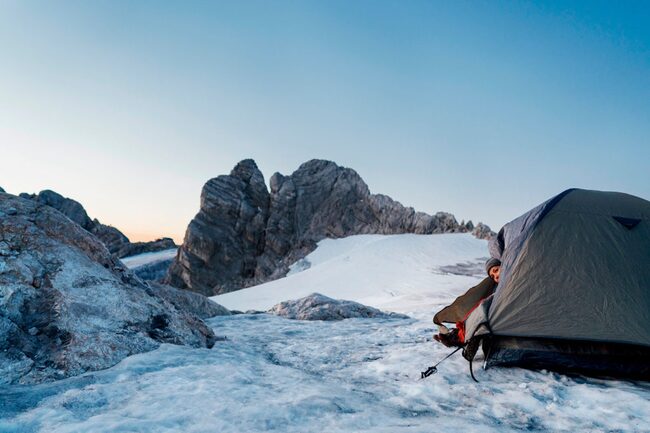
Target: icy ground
274,374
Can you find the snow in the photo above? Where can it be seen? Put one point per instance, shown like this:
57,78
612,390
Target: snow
138,260
398,273
355,375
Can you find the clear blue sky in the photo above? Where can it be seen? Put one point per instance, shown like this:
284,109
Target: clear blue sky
483,109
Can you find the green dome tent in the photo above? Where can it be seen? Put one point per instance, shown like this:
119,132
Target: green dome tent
574,291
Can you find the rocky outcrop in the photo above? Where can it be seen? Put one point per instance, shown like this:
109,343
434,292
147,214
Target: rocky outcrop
135,248
482,231
190,302
68,306
154,271
243,235
224,240
1,190
114,239
68,207
320,307
116,242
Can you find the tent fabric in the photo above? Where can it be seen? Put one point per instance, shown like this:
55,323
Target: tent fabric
572,271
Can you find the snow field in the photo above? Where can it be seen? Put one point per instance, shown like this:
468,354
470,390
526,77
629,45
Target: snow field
356,375
398,273
146,258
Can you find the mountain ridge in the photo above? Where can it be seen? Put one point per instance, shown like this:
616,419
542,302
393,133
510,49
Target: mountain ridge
246,234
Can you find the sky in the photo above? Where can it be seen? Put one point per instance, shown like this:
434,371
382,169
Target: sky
482,109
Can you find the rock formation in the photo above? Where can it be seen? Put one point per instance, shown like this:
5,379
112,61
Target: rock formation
68,306
116,242
154,271
481,231
224,240
134,248
190,302
320,307
243,235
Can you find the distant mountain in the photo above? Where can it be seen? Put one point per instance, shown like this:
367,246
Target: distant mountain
116,242
245,234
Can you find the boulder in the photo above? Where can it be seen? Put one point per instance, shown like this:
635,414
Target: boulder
68,306
320,307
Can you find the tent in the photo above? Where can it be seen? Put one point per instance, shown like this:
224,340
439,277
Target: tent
574,290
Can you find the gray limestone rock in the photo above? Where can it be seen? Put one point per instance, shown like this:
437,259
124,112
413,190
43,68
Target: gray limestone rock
68,207
320,307
134,248
154,271
115,240
68,306
244,236
190,302
482,231
110,236
225,238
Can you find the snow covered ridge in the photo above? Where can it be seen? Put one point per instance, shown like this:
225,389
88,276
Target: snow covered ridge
152,266
401,273
133,262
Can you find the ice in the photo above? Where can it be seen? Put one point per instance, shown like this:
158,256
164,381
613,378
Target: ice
355,375
274,374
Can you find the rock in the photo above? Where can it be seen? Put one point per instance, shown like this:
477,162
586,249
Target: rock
482,231
227,235
155,271
320,307
68,306
2,190
115,240
68,207
134,248
244,236
190,302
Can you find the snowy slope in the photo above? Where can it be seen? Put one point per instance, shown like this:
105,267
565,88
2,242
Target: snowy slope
147,258
402,273
357,375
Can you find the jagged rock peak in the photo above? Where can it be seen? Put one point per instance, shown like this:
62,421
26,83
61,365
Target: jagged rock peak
243,235
226,235
482,231
247,171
